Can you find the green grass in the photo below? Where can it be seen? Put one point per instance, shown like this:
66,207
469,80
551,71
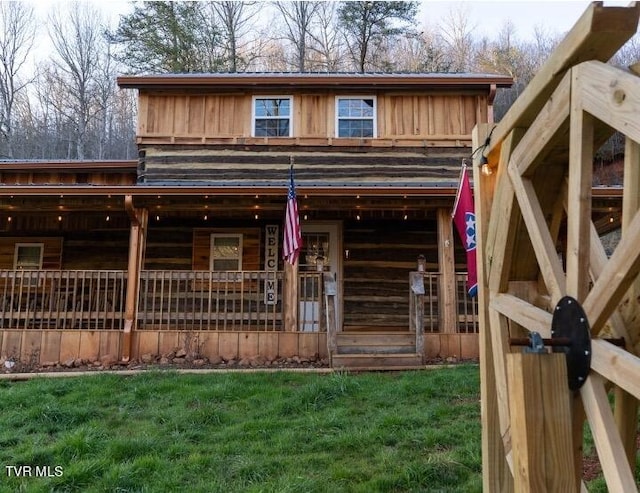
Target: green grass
246,432
253,432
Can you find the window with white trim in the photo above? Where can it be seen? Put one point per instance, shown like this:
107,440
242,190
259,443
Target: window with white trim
28,256
356,117
226,252
272,116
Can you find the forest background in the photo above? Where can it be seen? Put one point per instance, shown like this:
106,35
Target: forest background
67,105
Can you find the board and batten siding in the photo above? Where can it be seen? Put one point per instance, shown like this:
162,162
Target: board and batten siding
411,116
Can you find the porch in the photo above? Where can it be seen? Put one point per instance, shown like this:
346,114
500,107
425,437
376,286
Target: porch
54,315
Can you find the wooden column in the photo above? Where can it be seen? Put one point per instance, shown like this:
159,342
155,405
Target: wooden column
137,238
626,405
447,266
290,301
541,423
496,473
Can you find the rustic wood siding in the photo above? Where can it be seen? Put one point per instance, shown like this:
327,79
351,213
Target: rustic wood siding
250,246
193,118
98,249
52,254
376,274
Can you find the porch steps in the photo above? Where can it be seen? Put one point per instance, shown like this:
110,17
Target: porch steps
388,350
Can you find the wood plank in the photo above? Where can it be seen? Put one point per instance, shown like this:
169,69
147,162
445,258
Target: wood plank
89,345
502,228
597,35
446,262
609,94
527,155
626,405
540,423
50,352
598,262
268,345
469,346
432,347
69,345
308,345
11,343
611,454
167,342
544,248
496,475
147,342
616,365
229,345
209,344
323,352
615,279
110,344
523,313
579,196
30,346
248,345
288,344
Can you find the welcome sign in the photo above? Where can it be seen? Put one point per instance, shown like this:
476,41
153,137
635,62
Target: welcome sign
271,264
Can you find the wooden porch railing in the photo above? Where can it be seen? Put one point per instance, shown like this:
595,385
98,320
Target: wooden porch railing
424,307
69,299
205,300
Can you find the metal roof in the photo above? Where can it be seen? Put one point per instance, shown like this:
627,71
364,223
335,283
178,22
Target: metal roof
314,79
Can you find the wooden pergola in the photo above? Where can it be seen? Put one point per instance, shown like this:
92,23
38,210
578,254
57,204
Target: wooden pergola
540,193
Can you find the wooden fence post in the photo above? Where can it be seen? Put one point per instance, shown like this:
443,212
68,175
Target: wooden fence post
541,423
416,307
330,295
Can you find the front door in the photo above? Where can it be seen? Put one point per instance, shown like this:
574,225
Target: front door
321,246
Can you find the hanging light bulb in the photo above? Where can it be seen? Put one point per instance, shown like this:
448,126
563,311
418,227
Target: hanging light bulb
485,169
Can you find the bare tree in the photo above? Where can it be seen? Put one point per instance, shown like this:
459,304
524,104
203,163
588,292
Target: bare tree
456,32
237,20
17,33
298,17
326,38
76,35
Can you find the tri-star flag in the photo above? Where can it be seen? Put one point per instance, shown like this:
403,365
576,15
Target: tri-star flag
292,233
464,218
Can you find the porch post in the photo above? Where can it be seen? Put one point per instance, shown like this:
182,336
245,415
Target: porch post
290,301
446,261
137,237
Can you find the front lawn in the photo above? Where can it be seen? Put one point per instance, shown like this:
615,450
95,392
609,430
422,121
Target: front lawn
243,432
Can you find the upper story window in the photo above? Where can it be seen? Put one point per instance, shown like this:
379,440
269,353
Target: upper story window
356,117
28,256
272,116
226,252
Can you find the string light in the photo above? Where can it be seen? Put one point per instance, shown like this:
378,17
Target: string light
484,161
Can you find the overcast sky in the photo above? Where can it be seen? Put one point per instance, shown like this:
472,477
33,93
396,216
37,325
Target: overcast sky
488,17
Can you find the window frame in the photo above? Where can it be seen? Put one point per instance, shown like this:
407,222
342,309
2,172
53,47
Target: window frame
22,245
374,118
254,117
212,244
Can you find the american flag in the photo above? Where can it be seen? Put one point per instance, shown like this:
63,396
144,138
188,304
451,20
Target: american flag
292,234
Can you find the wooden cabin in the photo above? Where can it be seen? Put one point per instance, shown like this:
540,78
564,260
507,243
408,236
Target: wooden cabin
183,247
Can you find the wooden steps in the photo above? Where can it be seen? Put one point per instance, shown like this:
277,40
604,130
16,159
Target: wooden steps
376,350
